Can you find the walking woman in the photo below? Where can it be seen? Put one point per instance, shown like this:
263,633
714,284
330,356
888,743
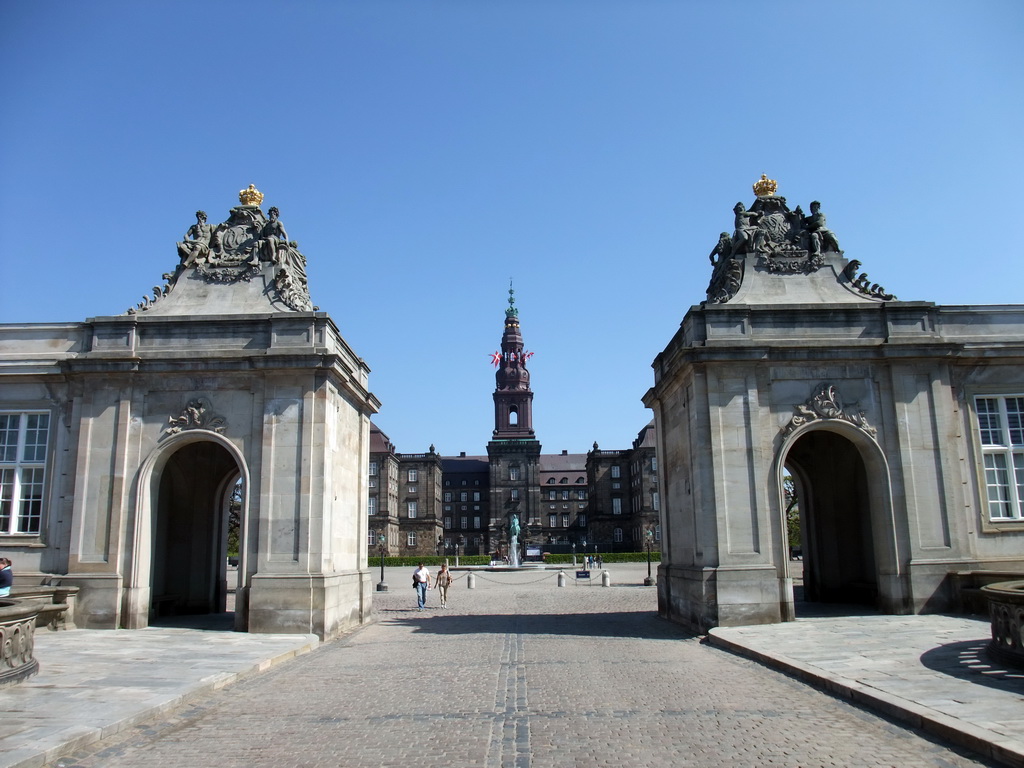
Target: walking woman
442,582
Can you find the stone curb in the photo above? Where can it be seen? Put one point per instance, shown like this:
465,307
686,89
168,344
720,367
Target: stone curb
984,742
36,755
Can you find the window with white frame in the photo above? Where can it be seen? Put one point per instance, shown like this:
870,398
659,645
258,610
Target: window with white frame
410,538
476,495
513,494
413,476
616,506
448,522
565,521
476,521
411,508
1001,428
616,471
617,535
23,442
371,505
655,501
447,495
372,480
465,522
373,467
513,473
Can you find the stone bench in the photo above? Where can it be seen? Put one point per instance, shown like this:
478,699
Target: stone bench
967,586
57,610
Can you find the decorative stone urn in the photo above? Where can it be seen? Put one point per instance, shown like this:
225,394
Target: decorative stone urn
17,640
1006,610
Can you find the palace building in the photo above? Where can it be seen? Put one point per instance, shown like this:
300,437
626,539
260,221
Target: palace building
428,504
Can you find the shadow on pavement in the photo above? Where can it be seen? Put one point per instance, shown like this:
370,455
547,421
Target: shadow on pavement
623,624
209,622
969,660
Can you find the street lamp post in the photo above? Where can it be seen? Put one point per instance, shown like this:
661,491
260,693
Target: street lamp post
382,548
649,536
574,554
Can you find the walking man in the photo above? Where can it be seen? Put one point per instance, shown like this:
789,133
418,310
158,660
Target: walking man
421,580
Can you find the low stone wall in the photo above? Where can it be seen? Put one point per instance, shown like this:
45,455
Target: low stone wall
1006,609
17,640
968,596
58,604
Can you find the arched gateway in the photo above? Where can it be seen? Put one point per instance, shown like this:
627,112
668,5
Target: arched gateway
879,410
182,520
143,426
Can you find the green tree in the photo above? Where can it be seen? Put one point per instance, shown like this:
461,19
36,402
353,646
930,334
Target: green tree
792,502
235,518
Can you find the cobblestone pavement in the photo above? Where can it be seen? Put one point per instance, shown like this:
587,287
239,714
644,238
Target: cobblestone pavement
518,673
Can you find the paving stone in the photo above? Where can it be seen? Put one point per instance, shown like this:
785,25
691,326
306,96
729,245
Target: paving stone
516,673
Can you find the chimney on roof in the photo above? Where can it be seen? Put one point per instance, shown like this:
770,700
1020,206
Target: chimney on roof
565,453
462,454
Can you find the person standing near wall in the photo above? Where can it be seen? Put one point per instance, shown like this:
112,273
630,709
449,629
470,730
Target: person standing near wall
6,576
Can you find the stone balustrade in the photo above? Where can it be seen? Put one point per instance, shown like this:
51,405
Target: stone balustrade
17,639
1006,609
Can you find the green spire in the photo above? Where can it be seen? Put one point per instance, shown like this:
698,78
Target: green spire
511,311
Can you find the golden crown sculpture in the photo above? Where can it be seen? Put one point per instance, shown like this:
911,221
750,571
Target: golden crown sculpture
765,186
253,196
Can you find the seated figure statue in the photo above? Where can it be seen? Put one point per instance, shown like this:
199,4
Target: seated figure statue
820,238
747,237
197,243
274,247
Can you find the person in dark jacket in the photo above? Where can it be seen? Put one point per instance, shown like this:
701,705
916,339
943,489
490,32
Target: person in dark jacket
6,577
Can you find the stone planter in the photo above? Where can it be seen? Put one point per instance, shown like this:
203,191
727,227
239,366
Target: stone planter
1006,610
17,640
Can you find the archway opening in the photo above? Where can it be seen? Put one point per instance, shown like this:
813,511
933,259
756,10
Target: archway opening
198,491
833,503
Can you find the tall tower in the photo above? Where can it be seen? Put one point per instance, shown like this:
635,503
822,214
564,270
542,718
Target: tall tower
513,450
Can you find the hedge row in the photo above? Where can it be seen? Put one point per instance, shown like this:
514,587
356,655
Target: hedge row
606,557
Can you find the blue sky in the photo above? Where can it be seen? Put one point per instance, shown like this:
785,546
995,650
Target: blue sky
424,152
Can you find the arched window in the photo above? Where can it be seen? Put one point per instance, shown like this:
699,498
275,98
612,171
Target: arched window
513,416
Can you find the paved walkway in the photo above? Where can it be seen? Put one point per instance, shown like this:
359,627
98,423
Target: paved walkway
931,672
517,673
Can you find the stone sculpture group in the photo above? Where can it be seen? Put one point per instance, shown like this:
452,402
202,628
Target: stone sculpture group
785,241
240,249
